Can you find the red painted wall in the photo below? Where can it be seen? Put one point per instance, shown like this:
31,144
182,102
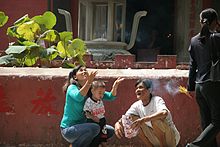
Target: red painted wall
31,103
15,9
74,14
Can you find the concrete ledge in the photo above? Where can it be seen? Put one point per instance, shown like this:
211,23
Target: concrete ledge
114,73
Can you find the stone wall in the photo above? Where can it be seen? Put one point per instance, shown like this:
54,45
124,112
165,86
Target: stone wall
31,103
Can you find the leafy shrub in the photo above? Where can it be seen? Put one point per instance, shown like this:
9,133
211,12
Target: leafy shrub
37,42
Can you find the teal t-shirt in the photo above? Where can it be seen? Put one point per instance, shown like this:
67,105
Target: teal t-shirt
73,109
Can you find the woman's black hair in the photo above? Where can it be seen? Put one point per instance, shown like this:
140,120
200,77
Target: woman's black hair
207,16
147,84
71,79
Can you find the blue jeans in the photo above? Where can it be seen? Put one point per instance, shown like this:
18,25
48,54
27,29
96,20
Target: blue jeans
81,135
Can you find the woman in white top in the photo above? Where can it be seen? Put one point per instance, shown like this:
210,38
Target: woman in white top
151,116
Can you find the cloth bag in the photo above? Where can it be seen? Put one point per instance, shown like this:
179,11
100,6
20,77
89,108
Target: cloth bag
127,122
215,66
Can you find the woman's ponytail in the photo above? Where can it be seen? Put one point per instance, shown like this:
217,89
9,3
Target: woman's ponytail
207,16
204,33
71,79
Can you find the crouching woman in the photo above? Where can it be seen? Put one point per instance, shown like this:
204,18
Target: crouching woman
151,116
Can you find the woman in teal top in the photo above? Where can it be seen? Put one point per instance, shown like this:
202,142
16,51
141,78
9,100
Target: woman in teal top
73,124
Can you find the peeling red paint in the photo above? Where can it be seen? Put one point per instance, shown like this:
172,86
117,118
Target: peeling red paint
4,106
42,105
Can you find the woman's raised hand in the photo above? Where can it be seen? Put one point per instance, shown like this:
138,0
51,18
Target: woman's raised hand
91,76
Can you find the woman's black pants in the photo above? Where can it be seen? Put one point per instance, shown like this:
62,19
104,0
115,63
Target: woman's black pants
208,99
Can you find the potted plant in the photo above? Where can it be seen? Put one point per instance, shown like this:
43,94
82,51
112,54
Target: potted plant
37,43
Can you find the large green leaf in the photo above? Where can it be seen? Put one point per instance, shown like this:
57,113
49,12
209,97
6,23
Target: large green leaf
29,43
15,49
66,64
49,53
11,31
62,46
4,60
21,20
66,36
28,30
48,19
61,49
32,55
3,18
21,56
51,36
77,48
31,59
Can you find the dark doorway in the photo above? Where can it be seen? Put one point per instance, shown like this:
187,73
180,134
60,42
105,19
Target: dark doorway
155,32
61,4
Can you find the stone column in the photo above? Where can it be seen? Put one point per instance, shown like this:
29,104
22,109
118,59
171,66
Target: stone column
186,26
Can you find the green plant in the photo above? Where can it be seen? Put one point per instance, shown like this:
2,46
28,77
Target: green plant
3,19
37,41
